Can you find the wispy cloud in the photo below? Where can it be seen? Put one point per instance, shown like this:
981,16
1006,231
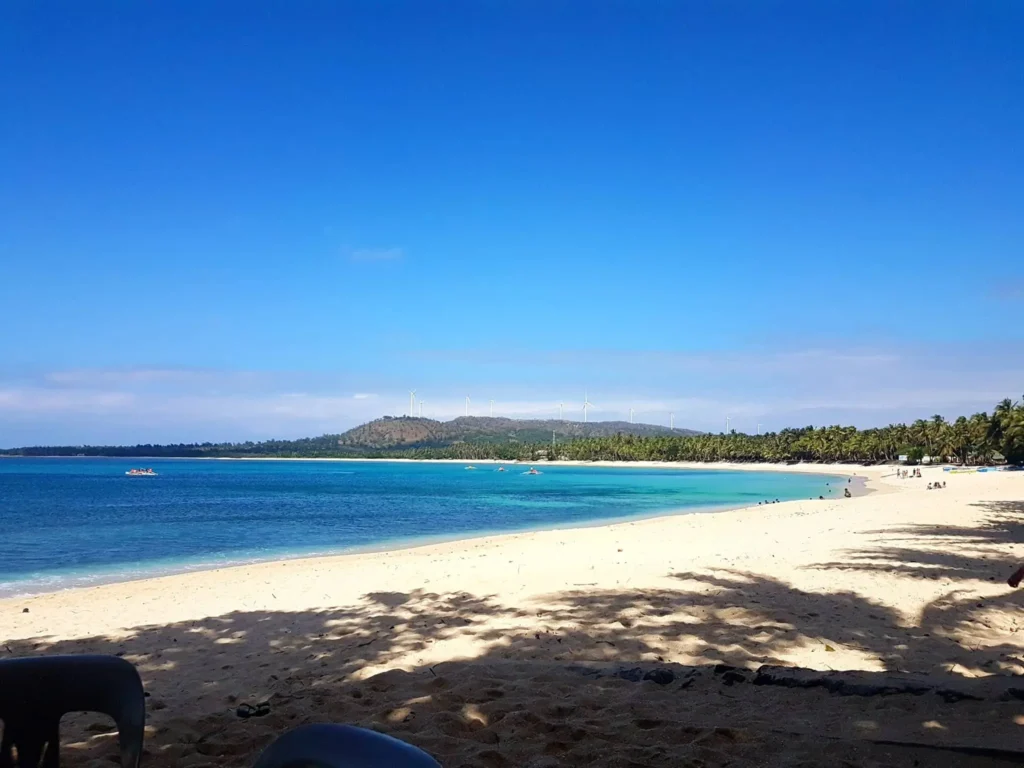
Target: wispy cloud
90,377
1010,290
775,388
374,254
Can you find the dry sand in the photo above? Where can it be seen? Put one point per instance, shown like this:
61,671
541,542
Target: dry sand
524,649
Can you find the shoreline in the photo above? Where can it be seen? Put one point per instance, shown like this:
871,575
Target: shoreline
521,637
861,485
800,466
395,546
880,489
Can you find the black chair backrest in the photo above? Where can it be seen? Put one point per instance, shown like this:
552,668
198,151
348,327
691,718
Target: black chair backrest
341,746
36,692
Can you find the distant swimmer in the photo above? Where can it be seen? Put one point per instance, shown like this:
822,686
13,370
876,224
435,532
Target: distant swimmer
532,472
501,469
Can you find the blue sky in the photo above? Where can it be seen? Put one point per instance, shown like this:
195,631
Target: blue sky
233,220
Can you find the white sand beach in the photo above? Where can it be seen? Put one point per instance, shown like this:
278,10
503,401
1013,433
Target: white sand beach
522,649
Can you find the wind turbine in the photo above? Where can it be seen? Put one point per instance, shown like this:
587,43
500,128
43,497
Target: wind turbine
672,421
759,429
630,415
467,405
412,403
586,404
560,411
492,409
421,409
727,420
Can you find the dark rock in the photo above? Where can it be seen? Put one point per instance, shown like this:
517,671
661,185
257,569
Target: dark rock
721,669
246,711
729,678
951,697
660,676
634,675
587,671
848,684
24,610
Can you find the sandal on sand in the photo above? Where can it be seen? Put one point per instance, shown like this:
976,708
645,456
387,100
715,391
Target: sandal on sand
246,711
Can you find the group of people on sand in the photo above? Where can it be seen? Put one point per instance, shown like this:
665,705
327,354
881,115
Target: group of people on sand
936,485
903,473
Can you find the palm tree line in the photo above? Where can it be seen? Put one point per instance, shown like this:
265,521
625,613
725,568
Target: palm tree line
973,440
978,439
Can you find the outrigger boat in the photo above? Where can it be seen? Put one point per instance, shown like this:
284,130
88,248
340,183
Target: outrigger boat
140,473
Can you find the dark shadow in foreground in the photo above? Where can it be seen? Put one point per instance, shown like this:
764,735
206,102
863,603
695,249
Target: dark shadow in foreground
572,682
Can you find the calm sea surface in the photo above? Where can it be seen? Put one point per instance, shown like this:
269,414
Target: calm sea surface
68,522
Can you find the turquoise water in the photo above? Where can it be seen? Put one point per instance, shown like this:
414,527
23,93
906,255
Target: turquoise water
68,522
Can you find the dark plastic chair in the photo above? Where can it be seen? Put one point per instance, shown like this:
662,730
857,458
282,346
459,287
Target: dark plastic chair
341,746
36,692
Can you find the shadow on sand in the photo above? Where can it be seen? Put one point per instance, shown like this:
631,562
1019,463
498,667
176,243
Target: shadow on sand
557,680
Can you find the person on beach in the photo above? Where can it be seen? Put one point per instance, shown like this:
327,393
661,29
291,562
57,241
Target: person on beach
846,492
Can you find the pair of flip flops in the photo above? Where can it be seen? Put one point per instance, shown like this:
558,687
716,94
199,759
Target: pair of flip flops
253,710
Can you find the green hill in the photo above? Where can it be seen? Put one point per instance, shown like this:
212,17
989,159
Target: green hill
396,433
388,434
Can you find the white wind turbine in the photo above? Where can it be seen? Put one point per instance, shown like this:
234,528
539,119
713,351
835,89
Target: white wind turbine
421,408
412,403
492,409
560,411
586,404
630,415
671,421
467,405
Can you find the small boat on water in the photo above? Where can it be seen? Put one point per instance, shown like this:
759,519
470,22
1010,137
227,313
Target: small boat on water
501,469
470,467
532,472
141,473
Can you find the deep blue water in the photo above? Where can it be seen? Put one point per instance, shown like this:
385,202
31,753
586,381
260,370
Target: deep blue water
65,522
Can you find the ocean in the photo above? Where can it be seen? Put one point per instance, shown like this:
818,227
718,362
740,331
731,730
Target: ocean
73,522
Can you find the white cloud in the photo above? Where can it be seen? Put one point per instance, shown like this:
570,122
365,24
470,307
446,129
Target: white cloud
374,254
864,387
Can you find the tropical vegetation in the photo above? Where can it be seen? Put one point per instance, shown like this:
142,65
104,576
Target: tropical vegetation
977,439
